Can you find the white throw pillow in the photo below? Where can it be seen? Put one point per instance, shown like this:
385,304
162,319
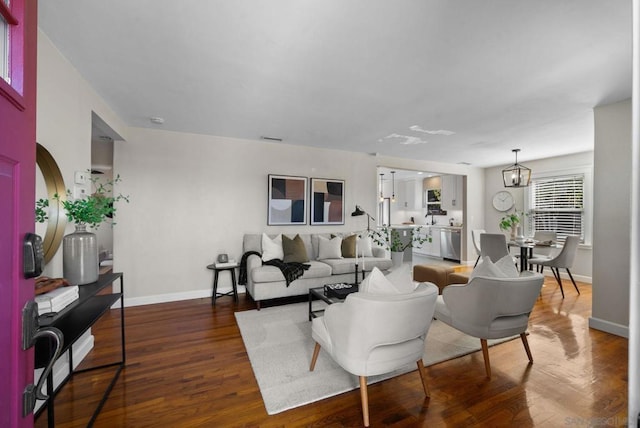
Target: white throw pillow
364,247
402,281
272,248
377,283
329,248
507,267
487,268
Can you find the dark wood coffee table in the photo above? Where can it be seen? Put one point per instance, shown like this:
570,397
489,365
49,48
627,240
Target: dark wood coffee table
318,293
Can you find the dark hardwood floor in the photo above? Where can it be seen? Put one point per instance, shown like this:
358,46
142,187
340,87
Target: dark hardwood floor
187,367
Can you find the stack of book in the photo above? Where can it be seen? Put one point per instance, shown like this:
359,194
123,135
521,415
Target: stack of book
56,300
229,263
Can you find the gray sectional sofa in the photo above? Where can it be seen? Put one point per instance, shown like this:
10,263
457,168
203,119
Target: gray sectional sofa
267,282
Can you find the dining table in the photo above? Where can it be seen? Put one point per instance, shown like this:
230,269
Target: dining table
526,249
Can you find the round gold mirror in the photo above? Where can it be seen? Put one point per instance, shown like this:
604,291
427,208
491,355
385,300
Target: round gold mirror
54,184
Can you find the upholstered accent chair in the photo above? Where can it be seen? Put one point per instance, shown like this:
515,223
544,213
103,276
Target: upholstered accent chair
371,334
564,260
491,308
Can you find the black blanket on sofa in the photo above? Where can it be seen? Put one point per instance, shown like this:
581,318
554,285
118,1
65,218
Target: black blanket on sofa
290,271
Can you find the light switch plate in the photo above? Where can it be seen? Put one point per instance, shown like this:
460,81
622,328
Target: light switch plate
80,177
79,191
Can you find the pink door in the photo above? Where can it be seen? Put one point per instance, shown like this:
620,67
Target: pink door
18,38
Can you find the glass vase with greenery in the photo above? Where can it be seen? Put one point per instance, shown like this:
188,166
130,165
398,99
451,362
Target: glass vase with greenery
510,222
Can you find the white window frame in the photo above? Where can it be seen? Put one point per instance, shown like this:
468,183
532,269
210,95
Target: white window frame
587,173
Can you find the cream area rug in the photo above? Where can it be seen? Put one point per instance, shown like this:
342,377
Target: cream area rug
279,344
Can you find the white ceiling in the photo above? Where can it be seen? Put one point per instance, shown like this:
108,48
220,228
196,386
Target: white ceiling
373,76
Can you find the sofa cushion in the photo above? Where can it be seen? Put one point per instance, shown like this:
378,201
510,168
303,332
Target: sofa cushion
294,250
488,269
402,281
377,283
329,248
340,266
272,248
364,246
268,273
508,267
349,246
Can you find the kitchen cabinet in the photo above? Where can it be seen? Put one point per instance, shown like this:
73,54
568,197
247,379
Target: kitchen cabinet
410,195
452,197
432,248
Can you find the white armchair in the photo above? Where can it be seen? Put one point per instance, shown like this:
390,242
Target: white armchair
372,334
491,308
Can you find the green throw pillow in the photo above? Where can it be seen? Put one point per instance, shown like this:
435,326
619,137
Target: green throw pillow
294,250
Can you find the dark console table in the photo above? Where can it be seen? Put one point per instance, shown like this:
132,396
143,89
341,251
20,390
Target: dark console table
73,321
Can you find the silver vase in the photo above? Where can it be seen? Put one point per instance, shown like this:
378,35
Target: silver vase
80,256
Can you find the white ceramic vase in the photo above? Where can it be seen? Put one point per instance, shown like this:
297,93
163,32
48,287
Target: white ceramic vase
396,258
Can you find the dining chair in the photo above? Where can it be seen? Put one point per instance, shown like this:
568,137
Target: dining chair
541,251
564,260
493,245
475,237
491,308
371,334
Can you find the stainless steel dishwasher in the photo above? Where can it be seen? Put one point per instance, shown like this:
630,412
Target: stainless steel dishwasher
450,244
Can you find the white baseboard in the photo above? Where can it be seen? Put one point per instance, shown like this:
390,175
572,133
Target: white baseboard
564,275
175,297
609,327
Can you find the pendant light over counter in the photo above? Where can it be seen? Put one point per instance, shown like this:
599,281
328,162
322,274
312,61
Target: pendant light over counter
381,194
516,175
393,186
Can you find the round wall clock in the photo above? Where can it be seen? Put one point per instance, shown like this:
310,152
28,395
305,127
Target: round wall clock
503,200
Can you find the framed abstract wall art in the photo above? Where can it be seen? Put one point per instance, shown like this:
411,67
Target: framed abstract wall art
287,200
327,201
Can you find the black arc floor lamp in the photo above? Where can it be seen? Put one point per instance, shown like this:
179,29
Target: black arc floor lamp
358,212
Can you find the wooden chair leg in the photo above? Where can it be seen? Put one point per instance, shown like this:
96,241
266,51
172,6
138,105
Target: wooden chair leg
525,342
365,400
485,354
316,351
572,280
423,377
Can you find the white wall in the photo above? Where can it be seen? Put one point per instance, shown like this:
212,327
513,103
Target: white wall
195,196
192,196
612,218
493,180
63,123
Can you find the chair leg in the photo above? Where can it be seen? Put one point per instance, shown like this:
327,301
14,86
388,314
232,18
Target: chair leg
477,260
525,342
365,400
556,273
423,376
485,354
316,351
572,280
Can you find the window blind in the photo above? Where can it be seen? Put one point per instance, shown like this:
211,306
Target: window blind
558,205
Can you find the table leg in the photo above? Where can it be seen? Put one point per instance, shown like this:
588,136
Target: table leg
215,288
234,285
523,259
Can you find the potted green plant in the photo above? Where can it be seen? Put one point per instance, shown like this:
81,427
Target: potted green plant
511,222
389,239
80,249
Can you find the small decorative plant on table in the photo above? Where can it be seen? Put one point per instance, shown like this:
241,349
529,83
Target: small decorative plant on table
511,222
